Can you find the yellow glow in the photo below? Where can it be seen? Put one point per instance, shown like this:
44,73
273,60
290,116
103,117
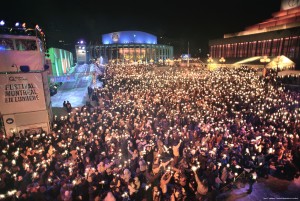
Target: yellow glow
282,62
247,60
212,67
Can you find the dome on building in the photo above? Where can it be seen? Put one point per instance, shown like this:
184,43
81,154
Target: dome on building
127,37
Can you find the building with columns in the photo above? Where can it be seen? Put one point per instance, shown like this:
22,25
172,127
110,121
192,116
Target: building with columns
125,47
277,36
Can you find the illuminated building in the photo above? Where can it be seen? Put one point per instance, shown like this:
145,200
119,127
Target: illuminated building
279,35
61,61
125,47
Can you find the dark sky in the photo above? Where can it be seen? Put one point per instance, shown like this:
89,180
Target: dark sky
177,22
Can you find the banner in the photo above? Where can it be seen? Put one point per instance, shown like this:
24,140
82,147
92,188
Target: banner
66,78
22,92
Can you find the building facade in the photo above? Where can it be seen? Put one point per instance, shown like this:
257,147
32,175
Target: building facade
61,61
128,47
279,35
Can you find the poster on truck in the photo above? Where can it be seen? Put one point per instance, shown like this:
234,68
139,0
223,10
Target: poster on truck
22,92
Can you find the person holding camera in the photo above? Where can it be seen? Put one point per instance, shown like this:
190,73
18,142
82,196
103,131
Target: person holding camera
164,181
202,188
156,194
179,194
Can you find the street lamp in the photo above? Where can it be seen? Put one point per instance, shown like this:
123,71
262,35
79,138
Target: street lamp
167,61
222,60
210,60
278,60
265,60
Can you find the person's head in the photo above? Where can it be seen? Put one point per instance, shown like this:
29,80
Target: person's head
126,172
178,192
20,178
109,170
233,161
143,165
182,180
204,181
211,166
137,182
148,148
156,191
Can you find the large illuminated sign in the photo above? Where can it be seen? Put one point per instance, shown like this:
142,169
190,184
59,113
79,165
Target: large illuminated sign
288,4
115,37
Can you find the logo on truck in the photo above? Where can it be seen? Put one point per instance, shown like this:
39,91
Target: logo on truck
10,121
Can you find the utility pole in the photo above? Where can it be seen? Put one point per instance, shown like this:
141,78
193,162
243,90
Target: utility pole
188,60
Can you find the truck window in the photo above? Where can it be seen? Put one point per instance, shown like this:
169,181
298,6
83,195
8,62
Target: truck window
6,44
26,45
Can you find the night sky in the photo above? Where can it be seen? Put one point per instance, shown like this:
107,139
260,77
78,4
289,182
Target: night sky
173,22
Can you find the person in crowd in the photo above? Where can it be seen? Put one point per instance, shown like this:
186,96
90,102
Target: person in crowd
69,107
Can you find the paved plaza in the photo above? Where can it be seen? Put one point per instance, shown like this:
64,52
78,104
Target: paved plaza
264,189
76,91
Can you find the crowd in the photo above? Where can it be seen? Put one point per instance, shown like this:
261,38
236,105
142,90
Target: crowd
159,135
290,79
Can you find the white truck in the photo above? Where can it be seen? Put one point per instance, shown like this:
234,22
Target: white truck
25,102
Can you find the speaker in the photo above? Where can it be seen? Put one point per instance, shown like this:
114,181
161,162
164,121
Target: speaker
24,69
